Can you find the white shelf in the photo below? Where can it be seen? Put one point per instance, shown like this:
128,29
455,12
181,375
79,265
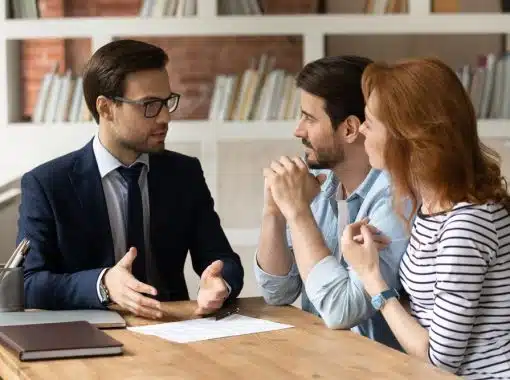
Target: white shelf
26,145
494,128
32,144
42,142
180,131
255,130
472,23
193,131
9,195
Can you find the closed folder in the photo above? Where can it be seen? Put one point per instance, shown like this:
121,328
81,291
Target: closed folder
103,319
58,340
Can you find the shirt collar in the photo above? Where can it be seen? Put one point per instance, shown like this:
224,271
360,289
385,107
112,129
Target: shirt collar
107,162
365,186
330,186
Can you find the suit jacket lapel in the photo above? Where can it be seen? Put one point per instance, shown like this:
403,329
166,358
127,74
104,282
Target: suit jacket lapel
87,184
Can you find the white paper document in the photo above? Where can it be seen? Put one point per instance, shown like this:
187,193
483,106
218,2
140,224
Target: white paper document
209,328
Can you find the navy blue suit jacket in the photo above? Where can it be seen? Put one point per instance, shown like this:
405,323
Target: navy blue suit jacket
63,213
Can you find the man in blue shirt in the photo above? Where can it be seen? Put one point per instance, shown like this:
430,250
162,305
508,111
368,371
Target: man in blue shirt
305,211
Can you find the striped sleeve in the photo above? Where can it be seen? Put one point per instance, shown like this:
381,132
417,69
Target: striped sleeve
465,245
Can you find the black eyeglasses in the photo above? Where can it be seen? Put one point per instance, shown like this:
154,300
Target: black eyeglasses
152,107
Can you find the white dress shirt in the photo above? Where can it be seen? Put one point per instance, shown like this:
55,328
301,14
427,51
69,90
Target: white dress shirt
116,196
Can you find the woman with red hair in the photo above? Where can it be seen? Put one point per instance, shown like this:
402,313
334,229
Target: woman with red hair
421,127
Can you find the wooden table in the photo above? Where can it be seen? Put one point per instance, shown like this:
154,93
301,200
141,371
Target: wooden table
308,351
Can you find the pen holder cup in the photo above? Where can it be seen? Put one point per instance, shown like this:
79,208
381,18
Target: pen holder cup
12,297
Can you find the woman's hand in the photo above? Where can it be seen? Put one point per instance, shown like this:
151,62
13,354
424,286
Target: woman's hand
361,244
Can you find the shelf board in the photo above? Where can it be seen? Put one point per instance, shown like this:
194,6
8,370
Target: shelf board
9,195
255,130
230,130
494,128
191,130
32,144
180,131
329,24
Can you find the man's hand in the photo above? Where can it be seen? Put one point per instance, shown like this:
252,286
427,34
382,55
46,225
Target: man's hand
270,207
292,186
213,289
126,291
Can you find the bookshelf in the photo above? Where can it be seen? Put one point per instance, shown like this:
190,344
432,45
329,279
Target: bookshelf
32,144
226,25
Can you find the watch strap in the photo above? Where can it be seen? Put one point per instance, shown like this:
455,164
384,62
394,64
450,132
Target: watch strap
389,293
103,290
380,299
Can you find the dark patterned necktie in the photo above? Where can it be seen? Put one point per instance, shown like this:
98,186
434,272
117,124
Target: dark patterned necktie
135,236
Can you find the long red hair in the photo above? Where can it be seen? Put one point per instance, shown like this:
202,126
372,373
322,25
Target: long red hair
432,136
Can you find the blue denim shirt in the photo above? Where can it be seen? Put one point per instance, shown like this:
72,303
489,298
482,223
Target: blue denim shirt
332,290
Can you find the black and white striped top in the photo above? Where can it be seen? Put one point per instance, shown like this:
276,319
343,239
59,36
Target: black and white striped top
456,271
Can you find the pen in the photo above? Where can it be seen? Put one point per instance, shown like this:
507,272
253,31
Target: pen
226,313
16,257
20,248
20,255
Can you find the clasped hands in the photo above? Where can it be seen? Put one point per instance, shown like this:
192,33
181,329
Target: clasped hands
289,188
133,295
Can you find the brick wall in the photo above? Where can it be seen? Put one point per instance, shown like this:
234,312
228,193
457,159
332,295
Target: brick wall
95,8
51,8
194,61
37,58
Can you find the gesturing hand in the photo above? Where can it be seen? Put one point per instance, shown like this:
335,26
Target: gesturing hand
126,291
213,289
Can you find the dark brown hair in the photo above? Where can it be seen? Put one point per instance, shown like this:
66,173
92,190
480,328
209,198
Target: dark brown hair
106,70
337,80
432,136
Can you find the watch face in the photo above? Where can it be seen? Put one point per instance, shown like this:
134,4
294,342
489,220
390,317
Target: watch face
377,302
103,293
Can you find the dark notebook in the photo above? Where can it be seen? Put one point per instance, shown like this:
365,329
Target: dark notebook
58,340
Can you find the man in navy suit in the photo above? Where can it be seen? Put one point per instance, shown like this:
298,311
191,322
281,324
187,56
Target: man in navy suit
113,221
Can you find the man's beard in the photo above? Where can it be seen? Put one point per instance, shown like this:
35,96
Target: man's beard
141,148
324,159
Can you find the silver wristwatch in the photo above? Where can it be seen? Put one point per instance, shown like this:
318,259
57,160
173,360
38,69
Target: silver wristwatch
104,294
